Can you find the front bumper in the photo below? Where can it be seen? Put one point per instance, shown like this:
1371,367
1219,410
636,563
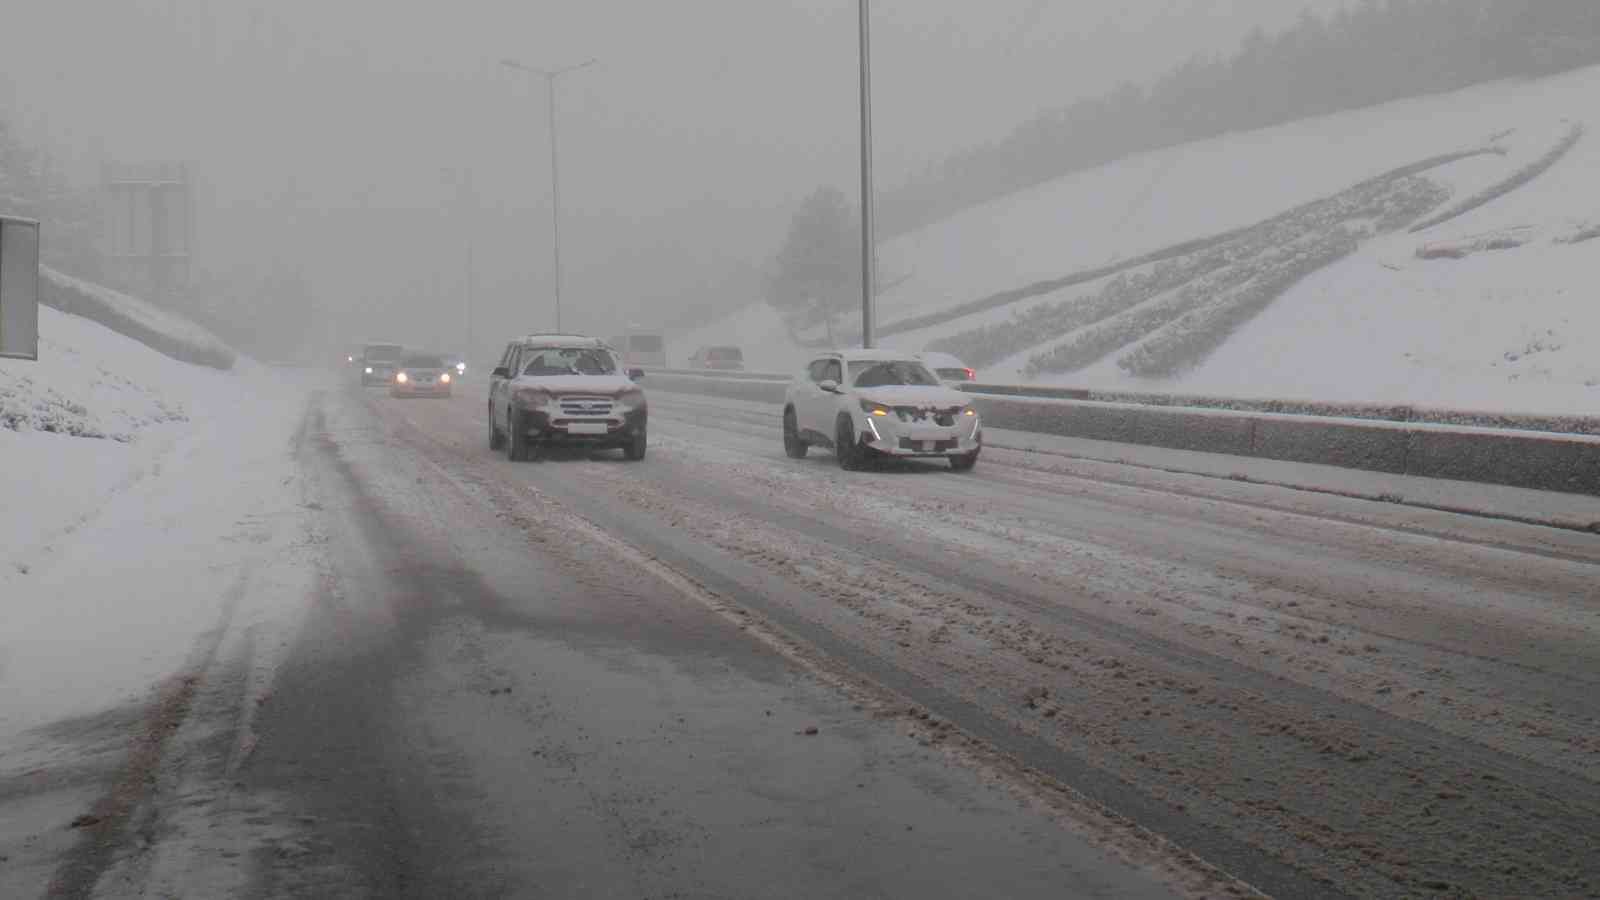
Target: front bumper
893,436
544,427
413,389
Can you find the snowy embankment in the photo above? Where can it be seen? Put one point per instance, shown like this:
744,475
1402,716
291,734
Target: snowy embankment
156,328
147,503
1281,263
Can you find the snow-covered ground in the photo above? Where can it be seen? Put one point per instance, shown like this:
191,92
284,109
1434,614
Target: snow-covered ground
151,509
1498,329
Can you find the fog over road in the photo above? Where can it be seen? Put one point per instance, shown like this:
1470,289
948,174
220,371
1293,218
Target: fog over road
588,677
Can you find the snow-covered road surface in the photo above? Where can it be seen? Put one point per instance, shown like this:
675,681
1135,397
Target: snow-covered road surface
586,677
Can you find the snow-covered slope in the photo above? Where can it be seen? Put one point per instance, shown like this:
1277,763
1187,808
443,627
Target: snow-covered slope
127,479
1370,321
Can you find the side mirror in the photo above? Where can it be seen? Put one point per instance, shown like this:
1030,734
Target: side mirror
636,374
829,385
501,372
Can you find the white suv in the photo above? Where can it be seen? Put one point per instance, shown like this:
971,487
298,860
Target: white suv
866,403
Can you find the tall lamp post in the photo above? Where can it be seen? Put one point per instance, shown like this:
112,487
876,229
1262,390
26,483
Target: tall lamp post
466,200
869,255
550,76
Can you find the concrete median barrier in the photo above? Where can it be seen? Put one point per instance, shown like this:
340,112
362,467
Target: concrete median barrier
1547,461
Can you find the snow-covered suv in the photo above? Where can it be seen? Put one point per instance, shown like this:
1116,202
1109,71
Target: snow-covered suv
866,403
565,389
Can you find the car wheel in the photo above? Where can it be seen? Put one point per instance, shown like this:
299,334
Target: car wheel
845,447
965,462
516,439
496,439
793,444
635,449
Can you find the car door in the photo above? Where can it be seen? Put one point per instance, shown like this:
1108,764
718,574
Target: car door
819,404
500,385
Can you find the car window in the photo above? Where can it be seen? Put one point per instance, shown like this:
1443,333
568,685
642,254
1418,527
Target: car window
383,352
725,354
833,371
423,362
543,361
815,370
891,372
955,374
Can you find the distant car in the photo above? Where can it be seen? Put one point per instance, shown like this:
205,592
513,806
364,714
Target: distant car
948,368
379,362
563,389
421,375
456,363
641,348
725,358
869,403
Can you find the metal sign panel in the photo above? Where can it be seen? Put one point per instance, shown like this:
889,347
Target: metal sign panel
19,288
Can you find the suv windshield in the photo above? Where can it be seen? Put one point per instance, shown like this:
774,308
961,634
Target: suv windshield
569,361
886,373
423,362
383,352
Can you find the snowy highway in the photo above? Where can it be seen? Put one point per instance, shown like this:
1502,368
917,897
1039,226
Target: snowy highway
1315,694
721,672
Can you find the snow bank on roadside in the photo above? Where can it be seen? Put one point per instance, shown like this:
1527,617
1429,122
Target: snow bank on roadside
117,555
159,329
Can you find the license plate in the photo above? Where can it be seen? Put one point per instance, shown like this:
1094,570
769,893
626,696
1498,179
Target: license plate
927,435
587,428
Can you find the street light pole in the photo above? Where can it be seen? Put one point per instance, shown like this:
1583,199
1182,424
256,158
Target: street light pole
869,261
550,76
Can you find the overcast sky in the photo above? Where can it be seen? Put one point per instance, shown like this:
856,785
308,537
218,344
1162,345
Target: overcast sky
325,131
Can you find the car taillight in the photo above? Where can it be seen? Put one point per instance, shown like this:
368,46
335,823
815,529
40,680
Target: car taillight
971,375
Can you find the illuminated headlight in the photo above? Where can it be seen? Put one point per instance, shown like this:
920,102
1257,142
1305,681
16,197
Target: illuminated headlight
349,359
401,378
461,368
876,409
445,378
969,412
369,370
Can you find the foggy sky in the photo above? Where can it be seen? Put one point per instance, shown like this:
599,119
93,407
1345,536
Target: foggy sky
326,132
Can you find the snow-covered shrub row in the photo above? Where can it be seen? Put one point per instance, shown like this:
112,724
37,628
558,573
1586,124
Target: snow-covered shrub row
1521,177
1189,339
1230,279
1171,252
1585,233
1387,202
158,329
27,406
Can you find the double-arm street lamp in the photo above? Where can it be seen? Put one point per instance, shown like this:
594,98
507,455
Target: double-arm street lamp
550,76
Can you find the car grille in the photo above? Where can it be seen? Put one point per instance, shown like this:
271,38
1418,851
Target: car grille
945,417
586,406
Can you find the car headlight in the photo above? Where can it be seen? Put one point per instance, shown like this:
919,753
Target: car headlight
401,377
461,368
969,411
876,409
369,370
445,378
532,398
633,399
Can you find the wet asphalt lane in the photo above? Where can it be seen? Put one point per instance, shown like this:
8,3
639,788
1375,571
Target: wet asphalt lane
484,702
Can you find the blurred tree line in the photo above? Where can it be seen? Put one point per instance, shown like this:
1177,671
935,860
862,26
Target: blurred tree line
1371,53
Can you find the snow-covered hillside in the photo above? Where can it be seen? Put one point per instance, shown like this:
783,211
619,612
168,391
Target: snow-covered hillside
1281,267
127,478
